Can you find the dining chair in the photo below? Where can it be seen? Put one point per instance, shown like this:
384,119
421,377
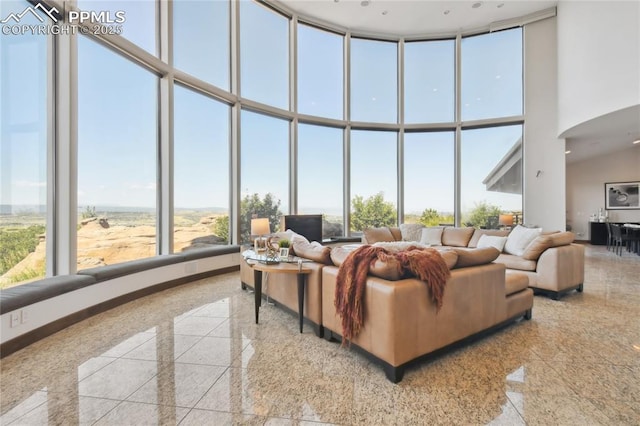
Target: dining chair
619,239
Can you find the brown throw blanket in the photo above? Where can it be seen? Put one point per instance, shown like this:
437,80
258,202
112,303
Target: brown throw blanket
425,263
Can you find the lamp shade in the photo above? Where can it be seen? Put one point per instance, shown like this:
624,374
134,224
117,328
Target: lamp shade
260,226
505,219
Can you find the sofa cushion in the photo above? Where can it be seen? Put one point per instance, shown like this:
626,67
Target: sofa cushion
290,235
519,238
515,282
456,237
536,247
473,242
313,251
516,262
397,234
477,256
338,255
450,258
492,241
562,238
411,231
432,235
374,235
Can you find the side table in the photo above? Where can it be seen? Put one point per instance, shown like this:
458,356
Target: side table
280,268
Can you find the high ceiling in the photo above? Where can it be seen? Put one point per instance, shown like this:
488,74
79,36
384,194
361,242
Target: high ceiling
413,17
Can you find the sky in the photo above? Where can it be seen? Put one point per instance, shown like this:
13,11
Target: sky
118,123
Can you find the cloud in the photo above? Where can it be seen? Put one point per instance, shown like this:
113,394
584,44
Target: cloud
29,184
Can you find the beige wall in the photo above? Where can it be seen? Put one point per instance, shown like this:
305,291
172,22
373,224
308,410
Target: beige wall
544,158
585,187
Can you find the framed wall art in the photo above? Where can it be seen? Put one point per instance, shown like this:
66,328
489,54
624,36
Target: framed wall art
621,195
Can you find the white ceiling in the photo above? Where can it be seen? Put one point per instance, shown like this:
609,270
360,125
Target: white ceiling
407,18
413,17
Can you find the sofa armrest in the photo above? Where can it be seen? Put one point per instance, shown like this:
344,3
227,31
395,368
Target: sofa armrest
560,268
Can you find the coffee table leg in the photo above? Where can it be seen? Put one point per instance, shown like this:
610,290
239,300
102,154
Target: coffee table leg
257,287
301,278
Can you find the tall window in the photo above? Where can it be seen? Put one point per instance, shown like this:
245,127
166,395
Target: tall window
201,171
264,170
429,83
491,169
320,72
429,166
320,175
492,75
201,40
374,177
117,156
264,55
374,81
139,24
23,152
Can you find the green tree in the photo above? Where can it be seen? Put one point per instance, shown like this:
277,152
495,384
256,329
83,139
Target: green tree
221,228
251,207
372,212
17,244
483,215
89,212
430,217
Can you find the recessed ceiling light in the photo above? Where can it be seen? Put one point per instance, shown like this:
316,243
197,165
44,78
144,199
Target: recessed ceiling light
568,152
364,3
384,12
637,141
500,5
446,12
476,5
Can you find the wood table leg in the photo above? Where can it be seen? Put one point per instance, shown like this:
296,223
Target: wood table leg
301,278
257,278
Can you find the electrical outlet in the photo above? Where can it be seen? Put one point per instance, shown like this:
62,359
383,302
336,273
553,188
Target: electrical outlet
14,319
24,316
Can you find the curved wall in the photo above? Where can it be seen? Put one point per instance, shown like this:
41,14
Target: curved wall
598,59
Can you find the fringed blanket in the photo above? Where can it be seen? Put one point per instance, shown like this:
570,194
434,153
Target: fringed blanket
425,263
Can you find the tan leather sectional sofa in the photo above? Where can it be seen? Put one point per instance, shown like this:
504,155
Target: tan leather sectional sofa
553,263
401,323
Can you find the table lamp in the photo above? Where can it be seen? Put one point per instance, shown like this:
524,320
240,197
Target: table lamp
505,220
260,228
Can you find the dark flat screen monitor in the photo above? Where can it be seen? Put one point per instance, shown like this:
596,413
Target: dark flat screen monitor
307,225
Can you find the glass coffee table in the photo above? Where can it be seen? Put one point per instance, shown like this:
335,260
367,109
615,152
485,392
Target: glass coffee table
290,265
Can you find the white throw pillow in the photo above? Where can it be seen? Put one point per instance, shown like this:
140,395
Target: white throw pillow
519,238
411,231
492,241
432,236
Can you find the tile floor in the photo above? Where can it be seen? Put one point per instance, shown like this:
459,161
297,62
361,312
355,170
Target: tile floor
192,355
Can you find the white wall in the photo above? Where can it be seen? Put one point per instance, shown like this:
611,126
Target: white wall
585,187
544,192
598,60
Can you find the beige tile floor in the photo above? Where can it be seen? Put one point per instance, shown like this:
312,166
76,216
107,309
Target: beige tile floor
193,356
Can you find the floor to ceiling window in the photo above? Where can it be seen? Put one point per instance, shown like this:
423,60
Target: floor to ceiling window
264,143
200,170
374,81
294,93
429,166
320,176
23,152
491,181
429,81
201,40
264,55
320,72
117,157
374,177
